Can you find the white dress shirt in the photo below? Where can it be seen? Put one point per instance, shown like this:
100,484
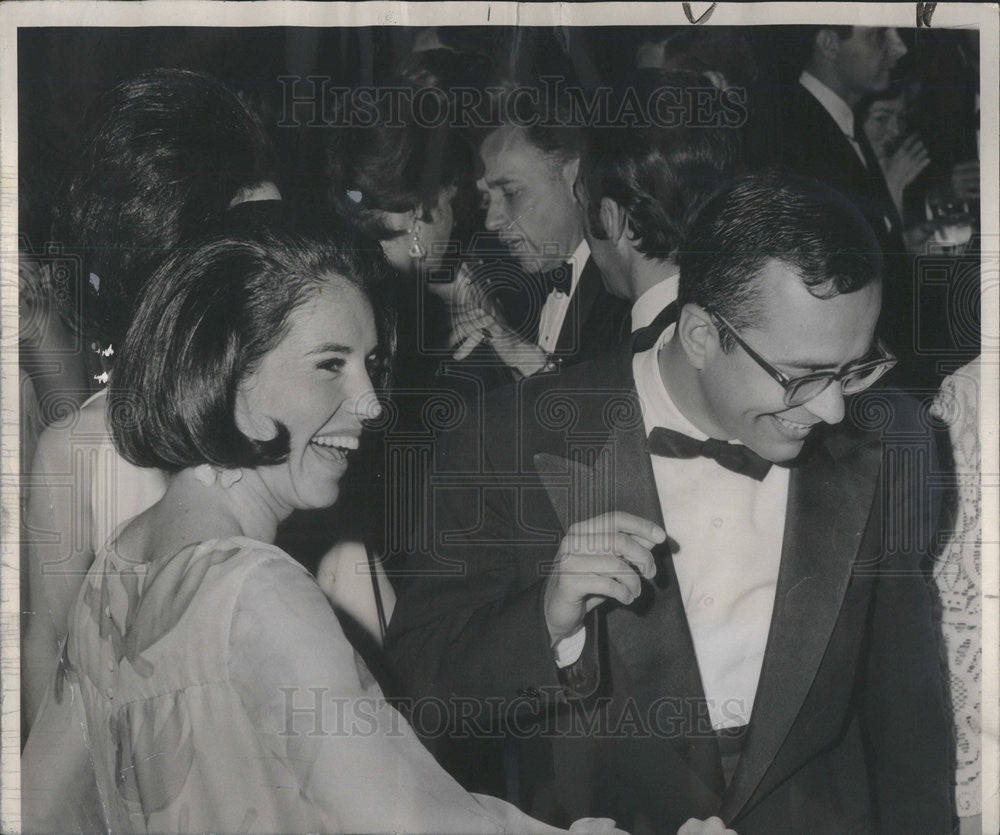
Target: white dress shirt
557,304
648,306
729,529
838,109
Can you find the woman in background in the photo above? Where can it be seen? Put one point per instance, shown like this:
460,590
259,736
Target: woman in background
408,183
165,154
959,580
901,155
408,180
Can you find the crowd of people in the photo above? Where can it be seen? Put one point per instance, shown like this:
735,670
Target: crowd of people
550,455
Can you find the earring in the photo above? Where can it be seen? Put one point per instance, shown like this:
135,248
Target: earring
227,478
416,248
209,475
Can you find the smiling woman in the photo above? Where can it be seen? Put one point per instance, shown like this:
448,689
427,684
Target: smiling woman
248,374
230,360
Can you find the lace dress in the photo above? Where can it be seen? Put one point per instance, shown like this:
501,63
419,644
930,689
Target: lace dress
959,582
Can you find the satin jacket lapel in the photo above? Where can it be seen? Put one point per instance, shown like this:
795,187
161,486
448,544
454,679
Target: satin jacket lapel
829,504
651,636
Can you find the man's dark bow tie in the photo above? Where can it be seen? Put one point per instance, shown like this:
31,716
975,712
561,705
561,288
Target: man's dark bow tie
736,457
559,278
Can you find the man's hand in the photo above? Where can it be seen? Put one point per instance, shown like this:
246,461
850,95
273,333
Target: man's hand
602,558
709,826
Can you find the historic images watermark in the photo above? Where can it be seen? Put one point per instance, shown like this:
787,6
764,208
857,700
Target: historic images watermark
317,101
319,712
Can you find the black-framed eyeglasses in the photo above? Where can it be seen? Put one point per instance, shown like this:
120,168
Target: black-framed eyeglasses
798,390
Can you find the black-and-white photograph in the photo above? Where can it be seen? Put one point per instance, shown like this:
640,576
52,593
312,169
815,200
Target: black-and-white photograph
494,417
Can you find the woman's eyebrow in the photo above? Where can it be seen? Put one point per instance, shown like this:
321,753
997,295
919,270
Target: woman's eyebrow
331,348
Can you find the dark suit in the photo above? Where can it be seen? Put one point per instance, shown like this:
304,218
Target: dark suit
595,320
848,730
813,145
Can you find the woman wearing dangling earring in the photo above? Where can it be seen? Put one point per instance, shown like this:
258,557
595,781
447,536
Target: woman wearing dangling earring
407,179
165,155
409,187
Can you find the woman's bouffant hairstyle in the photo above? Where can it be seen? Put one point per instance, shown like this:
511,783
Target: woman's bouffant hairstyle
773,217
163,156
400,161
206,319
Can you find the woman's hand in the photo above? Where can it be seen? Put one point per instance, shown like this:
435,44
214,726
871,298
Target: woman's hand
710,826
605,826
479,326
475,321
903,167
468,306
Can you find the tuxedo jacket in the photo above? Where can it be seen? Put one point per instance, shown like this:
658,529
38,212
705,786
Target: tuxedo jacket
812,145
848,730
595,322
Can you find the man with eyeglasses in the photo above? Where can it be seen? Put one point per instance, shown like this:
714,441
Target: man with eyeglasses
734,622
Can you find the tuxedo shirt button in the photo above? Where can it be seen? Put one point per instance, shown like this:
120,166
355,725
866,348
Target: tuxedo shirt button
717,522
111,664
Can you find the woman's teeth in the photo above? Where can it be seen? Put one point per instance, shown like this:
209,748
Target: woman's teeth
342,441
336,445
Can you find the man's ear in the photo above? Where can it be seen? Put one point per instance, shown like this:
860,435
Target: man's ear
613,219
568,172
827,44
697,334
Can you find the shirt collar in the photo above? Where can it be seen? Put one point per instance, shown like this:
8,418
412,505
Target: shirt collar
657,297
658,408
833,104
578,259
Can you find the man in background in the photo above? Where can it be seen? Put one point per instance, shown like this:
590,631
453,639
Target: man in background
640,186
529,167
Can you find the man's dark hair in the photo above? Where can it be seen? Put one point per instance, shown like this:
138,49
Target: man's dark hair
767,217
804,43
207,318
543,112
164,155
660,176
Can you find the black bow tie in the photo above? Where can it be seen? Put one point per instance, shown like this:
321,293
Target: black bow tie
559,278
734,457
